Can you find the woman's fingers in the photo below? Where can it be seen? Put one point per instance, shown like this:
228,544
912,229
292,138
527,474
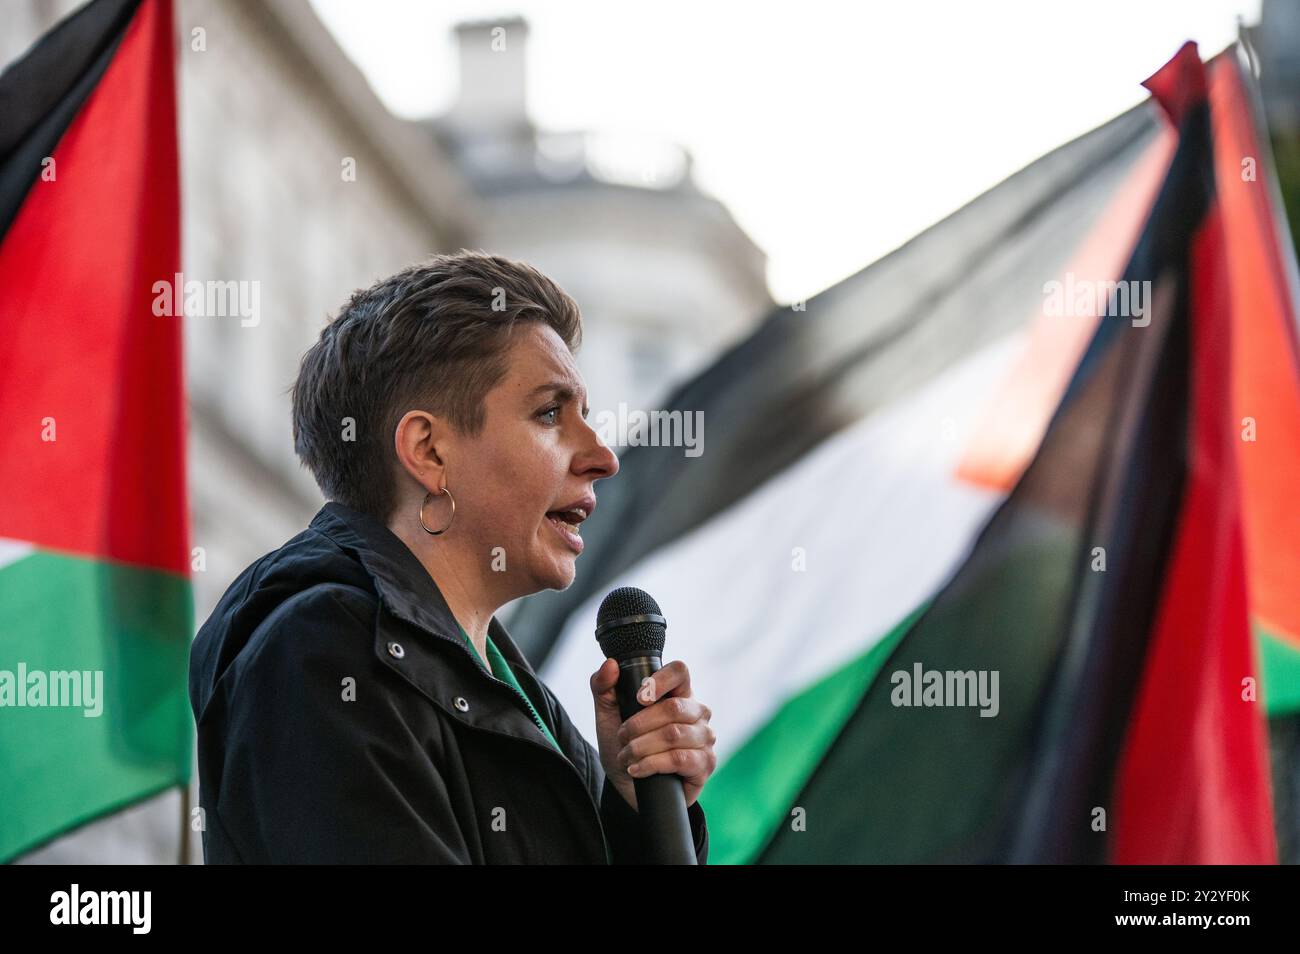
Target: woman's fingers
672,680
675,735
688,763
663,712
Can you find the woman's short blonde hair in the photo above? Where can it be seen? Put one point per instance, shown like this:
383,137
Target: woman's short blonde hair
433,337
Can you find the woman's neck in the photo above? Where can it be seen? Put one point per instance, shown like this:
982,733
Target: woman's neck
463,589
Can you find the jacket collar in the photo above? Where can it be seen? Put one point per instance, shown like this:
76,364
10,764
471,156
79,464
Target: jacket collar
407,591
400,578
402,583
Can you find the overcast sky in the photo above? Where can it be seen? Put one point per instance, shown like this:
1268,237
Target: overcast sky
833,132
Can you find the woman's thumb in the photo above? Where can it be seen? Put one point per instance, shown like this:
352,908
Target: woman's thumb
605,678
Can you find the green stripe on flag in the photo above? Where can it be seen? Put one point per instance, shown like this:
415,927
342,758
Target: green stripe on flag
62,766
751,793
1281,666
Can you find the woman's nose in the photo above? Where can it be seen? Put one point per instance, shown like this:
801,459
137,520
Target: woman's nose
598,460
605,461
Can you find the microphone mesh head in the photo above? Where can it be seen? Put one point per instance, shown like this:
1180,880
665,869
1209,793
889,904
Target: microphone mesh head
635,637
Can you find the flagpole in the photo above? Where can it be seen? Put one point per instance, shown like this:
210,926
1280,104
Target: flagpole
185,825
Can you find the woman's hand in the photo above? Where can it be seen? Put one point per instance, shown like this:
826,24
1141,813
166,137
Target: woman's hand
672,736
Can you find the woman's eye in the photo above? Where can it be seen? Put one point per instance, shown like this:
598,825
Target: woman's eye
550,410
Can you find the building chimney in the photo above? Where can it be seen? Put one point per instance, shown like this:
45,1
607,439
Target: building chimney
492,76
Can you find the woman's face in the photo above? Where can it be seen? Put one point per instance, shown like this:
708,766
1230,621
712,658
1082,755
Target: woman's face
536,455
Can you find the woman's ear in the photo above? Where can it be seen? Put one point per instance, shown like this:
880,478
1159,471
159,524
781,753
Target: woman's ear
420,443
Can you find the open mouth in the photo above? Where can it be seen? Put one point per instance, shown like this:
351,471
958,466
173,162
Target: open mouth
567,523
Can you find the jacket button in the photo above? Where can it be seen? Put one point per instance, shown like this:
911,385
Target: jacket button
460,703
396,651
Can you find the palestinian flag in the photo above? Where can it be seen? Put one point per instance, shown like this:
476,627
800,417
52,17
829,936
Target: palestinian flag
95,604
969,567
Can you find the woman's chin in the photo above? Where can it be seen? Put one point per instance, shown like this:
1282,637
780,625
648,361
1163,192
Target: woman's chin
560,575
556,565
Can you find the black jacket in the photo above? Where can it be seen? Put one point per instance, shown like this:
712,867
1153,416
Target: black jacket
342,717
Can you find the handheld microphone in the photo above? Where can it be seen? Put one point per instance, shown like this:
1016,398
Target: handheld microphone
631,629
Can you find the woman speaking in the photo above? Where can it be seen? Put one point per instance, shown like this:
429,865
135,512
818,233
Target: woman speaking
355,696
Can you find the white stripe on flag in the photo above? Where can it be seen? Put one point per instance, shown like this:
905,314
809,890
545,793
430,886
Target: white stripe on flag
883,523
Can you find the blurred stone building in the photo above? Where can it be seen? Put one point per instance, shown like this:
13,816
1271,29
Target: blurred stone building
664,276
274,120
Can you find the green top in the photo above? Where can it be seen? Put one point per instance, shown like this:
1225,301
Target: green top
501,669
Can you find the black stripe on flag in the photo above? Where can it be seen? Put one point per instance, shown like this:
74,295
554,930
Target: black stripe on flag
42,92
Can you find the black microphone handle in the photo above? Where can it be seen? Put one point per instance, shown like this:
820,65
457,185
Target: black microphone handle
660,798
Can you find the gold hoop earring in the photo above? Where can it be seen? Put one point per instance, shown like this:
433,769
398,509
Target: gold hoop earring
427,496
